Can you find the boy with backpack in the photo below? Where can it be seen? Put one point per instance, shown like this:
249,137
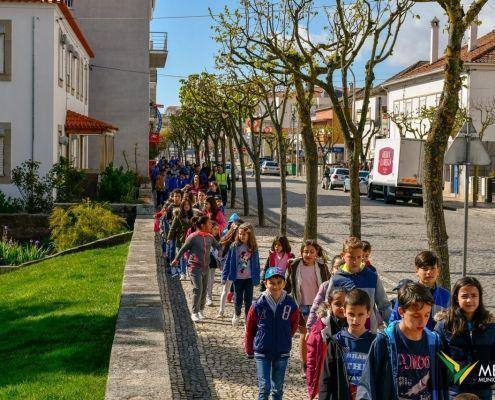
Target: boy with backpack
403,361
427,270
348,350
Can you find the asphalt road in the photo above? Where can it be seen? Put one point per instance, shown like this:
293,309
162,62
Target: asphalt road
397,232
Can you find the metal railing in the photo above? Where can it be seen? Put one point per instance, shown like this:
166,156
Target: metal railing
158,41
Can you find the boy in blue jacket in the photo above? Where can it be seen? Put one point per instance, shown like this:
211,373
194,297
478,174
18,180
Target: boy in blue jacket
427,270
272,321
403,361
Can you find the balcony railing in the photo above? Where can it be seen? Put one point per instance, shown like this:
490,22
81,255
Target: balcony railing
158,49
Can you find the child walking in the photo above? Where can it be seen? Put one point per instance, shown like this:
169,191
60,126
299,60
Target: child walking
178,229
243,269
279,256
305,275
226,241
428,270
331,319
348,351
271,322
199,245
467,332
214,263
403,361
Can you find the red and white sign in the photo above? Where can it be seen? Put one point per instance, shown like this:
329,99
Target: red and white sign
386,161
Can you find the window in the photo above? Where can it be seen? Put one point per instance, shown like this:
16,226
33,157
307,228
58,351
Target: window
422,103
69,3
60,56
4,152
397,107
72,73
68,67
5,50
86,71
437,99
408,107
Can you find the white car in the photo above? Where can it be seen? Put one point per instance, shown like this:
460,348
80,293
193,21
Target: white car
363,182
270,167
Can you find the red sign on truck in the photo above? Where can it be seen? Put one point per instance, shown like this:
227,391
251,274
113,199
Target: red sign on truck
385,161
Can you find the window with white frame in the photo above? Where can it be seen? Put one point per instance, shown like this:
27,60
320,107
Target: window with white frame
437,99
422,103
408,107
86,68
73,73
397,107
5,50
68,68
60,57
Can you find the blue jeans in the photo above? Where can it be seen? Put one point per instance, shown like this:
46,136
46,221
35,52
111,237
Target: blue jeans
182,265
243,289
271,376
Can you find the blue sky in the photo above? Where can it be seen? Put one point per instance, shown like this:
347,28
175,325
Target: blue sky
192,50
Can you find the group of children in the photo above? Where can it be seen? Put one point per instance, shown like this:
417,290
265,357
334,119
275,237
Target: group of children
355,343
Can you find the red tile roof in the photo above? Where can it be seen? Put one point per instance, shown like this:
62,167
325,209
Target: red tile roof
78,123
68,16
483,53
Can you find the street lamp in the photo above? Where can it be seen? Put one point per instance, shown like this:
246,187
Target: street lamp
466,149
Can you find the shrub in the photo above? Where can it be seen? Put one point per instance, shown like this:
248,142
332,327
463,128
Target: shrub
13,253
8,205
67,181
36,192
117,185
83,223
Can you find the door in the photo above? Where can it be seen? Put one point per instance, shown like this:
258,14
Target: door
455,179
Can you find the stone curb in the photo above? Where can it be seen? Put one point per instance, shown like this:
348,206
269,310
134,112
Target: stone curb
100,243
138,366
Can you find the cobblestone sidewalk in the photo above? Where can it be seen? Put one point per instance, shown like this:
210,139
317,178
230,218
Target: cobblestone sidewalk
206,360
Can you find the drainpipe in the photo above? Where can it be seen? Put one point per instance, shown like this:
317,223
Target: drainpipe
33,84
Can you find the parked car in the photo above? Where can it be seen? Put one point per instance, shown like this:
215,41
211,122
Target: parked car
263,159
363,182
228,169
270,167
334,177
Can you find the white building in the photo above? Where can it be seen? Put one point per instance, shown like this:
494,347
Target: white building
44,69
421,85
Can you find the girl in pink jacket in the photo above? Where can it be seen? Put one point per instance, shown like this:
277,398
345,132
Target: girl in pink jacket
330,320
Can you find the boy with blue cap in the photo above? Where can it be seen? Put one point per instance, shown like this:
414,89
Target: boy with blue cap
271,323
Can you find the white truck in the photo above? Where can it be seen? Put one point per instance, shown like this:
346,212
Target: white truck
397,172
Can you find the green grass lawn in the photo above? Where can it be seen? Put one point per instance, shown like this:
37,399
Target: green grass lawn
57,322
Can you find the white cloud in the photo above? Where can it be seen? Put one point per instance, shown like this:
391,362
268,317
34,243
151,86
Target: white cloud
413,43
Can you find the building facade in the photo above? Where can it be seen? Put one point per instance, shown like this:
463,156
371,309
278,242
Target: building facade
123,73
44,74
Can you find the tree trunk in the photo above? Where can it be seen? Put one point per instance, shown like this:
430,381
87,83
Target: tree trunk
197,156
216,150
436,144
222,149
207,149
245,194
354,153
232,173
259,192
282,161
304,99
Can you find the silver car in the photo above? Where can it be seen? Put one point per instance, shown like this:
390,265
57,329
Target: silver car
334,177
363,182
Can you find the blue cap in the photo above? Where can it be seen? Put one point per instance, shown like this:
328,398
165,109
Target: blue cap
274,271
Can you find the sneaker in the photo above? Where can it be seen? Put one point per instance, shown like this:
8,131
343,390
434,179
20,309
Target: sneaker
201,316
195,317
220,314
230,297
235,320
183,277
209,302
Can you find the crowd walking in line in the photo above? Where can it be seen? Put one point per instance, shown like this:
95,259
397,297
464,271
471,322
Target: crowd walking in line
355,342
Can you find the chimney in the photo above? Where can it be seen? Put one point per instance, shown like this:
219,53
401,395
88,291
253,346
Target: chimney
434,40
473,36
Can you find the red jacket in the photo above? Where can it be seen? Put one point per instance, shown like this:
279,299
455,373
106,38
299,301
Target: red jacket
156,222
320,334
317,349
